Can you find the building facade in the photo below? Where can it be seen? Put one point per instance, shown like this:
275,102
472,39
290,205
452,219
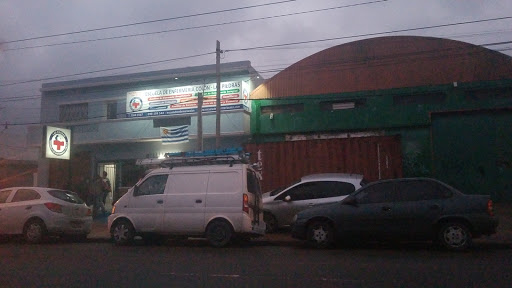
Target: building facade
117,120
447,103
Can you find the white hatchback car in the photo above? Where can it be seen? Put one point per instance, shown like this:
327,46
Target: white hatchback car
282,204
36,212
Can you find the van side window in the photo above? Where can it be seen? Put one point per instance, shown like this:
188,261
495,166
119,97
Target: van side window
151,186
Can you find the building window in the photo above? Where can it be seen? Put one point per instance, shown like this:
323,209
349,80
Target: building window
342,105
112,110
280,109
430,98
73,112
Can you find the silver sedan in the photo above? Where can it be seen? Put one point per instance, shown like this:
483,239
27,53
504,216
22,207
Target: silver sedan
36,212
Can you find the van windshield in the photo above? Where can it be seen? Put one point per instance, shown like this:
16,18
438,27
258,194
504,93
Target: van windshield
253,183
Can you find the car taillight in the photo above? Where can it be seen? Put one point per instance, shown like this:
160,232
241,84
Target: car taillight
113,209
490,208
246,204
54,207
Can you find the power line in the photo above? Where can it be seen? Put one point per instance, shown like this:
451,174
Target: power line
266,47
150,21
275,45
371,34
104,70
276,70
197,27
334,65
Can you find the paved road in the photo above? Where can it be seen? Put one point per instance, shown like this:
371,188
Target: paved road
194,264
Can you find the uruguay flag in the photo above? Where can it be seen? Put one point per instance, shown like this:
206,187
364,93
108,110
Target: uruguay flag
174,135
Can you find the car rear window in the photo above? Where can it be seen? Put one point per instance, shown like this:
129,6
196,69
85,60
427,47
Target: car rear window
67,196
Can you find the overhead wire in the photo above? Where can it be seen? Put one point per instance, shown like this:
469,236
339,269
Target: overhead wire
371,34
197,27
338,66
266,47
147,22
393,57
108,69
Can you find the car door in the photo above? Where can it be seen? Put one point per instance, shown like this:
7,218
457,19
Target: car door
184,204
371,217
420,206
146,208
4,195
22,204
294,200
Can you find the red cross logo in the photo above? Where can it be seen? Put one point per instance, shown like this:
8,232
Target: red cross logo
58,143
136,104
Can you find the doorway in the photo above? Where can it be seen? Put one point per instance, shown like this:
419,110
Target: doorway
110,168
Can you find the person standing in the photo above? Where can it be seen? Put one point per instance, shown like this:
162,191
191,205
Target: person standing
107,188
96,193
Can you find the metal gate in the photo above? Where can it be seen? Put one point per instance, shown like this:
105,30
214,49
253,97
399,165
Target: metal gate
283,163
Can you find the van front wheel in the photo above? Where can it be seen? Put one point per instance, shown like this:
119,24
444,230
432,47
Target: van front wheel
219,233
122,232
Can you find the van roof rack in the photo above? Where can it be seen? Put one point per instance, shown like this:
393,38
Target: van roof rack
228,156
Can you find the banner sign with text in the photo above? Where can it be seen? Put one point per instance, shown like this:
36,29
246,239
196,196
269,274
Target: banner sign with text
183,100
58,142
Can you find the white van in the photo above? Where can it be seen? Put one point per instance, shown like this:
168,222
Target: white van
199,196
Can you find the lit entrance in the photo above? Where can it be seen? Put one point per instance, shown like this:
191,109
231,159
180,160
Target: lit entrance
110,168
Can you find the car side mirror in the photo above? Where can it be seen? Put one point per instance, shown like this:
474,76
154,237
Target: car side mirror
349,200
287,198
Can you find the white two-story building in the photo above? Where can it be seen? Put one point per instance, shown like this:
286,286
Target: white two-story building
114,121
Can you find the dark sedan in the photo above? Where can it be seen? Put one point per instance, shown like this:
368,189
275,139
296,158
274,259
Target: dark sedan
408,209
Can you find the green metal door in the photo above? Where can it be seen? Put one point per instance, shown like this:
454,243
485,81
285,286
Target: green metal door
472,151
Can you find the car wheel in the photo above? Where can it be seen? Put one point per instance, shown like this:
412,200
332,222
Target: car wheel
270,222
320,234
455,236
34,231
123,232
219,233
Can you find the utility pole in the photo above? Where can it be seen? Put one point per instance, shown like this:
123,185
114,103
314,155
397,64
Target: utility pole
217,110
200,120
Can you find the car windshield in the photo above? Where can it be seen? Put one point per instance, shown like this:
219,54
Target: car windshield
67,196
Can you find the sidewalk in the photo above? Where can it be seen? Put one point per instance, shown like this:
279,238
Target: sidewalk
502,210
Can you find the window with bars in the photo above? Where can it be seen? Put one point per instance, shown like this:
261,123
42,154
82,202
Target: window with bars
73,112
